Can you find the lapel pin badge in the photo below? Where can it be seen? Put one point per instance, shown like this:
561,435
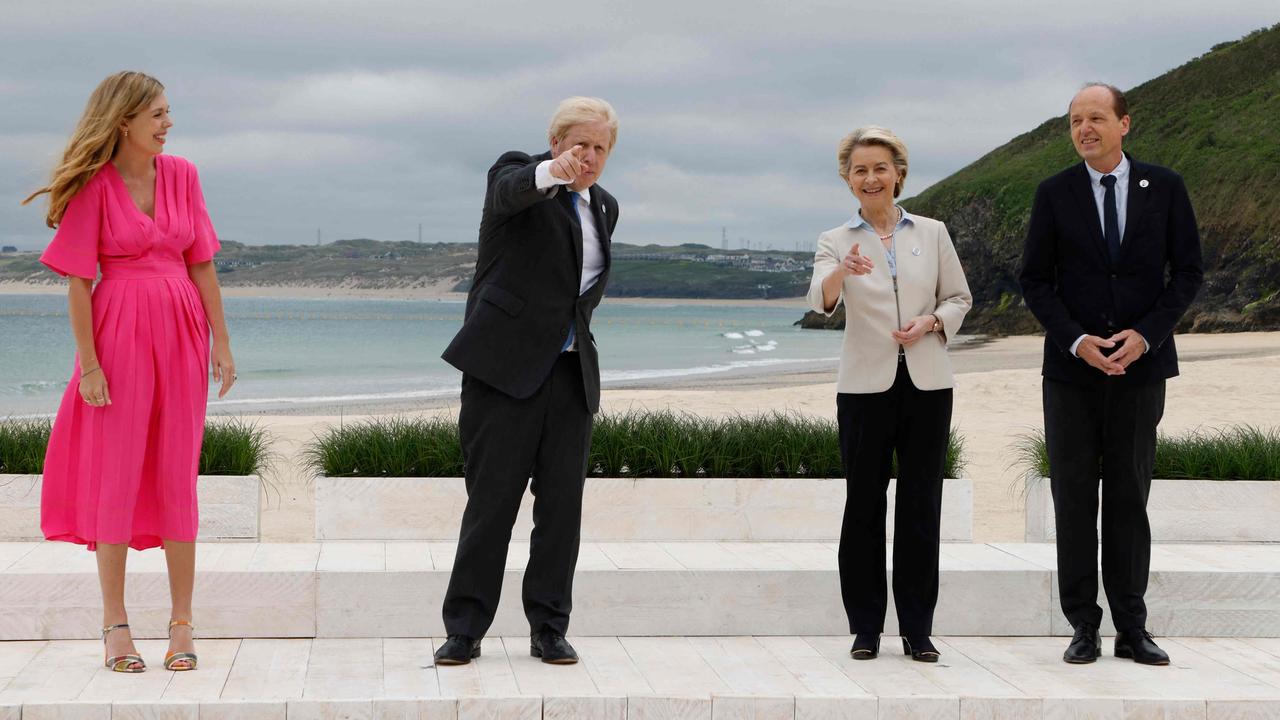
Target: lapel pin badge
1143,183
915,251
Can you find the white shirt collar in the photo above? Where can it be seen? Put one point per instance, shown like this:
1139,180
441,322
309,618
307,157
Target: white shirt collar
1121,172
584,193
858,221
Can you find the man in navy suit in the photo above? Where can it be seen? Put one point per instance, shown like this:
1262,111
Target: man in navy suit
531,378
1112,261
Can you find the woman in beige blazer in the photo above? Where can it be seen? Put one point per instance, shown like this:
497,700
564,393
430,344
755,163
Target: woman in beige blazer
905,296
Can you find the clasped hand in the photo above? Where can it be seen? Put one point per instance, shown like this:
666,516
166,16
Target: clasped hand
1130,342
916,328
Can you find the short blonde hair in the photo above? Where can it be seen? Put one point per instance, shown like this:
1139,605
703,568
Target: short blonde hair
578,109
874,135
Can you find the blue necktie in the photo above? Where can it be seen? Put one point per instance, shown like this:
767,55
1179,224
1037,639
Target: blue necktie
1110,220
573,199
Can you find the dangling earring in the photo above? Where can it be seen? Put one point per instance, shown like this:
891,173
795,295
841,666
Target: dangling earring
126,133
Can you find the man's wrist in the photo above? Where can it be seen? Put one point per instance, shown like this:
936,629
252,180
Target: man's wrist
543,179
1076,345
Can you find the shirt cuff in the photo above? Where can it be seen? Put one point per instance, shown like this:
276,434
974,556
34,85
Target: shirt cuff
543,179
1076,344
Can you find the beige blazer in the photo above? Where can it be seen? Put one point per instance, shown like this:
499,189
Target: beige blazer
930,280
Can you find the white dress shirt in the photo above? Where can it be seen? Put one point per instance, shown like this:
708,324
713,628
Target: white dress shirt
592,253
1121,173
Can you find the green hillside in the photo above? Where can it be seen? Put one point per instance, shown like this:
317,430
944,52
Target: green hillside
1215,120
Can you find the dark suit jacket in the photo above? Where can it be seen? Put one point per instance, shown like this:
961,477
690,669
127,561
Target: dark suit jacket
1070,285
525,291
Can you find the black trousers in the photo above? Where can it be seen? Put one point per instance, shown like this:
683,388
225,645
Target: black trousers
505,441
916,424
1106,431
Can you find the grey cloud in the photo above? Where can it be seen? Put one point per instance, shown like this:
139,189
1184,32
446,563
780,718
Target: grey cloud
365,119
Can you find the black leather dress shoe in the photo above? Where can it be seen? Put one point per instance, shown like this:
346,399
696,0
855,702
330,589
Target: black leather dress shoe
920,649
1138,645
458,650
1085,647
866,646
552,648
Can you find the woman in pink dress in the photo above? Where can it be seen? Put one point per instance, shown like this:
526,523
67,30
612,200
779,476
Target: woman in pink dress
121,466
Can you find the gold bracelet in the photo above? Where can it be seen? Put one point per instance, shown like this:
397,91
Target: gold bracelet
83,373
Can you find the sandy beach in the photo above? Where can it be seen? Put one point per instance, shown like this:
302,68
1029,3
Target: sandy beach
431,292
1226,379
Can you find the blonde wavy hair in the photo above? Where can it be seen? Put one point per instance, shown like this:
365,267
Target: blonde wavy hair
118,98
578,109
874,135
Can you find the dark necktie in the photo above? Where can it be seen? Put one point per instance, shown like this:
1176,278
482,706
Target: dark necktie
1110,220
573,200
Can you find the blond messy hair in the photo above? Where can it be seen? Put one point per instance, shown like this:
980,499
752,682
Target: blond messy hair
118,98
874,135
577,110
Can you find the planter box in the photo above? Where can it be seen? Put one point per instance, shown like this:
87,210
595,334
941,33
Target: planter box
621,509
1184,511
229,506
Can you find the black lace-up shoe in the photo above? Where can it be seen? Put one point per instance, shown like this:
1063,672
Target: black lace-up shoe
1085,647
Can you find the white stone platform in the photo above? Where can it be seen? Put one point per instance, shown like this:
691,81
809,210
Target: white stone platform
331,590
230,507
757,678
624,509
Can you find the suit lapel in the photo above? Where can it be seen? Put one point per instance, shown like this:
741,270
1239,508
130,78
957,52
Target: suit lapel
1137,202
602,226
575,227
1082,189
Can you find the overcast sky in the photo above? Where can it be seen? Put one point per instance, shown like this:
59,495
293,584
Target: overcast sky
366,119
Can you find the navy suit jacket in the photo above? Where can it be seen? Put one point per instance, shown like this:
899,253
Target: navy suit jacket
1070,284
525,292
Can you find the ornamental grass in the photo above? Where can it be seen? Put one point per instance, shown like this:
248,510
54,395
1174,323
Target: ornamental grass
633,444
231,447
1232,453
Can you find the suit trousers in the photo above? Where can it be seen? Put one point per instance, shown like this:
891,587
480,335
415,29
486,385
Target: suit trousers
1105,431
914,423
505,442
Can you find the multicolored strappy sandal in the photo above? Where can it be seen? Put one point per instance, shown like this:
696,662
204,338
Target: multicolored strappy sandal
122,663
180,661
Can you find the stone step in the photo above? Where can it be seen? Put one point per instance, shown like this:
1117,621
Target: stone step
691,678
331,590
230,506
623,509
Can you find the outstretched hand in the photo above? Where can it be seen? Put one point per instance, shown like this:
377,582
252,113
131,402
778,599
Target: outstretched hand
855,263
568,166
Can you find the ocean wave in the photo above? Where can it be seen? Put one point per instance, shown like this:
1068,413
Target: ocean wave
754,333
355,397
625,375
733,335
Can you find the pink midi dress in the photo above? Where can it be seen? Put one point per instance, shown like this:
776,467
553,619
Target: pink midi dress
126,472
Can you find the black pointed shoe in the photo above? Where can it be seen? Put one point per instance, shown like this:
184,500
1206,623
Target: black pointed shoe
458,650
1085,647
920,649
552,648
1137,645
866,646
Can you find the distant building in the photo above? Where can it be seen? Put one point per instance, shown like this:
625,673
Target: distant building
9,249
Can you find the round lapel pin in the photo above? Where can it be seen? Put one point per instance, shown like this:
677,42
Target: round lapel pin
1143,183
915,251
